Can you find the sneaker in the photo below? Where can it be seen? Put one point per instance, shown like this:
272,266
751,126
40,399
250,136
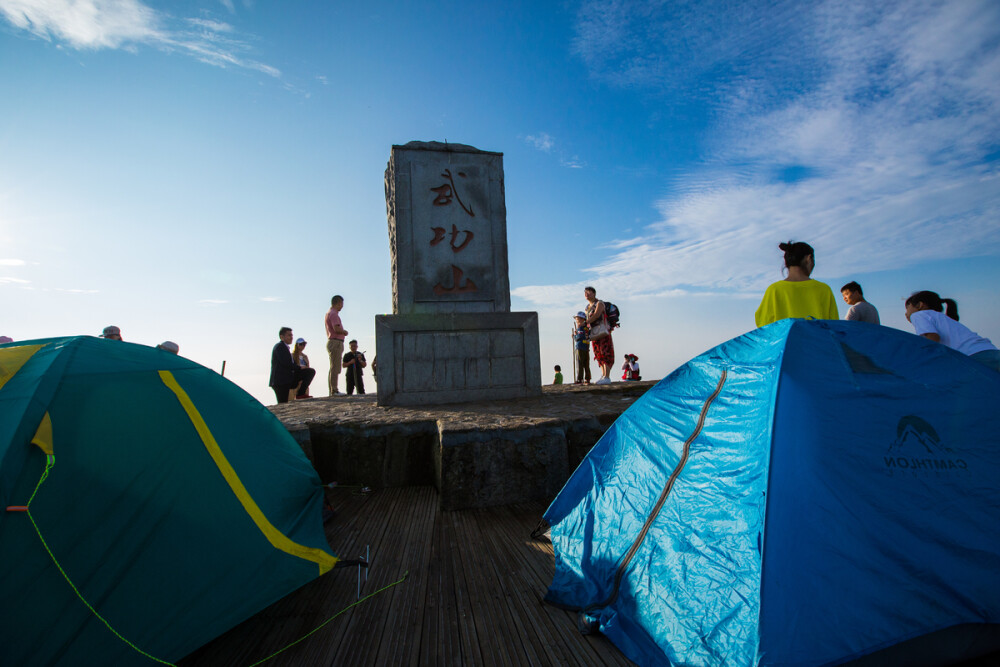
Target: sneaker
604,381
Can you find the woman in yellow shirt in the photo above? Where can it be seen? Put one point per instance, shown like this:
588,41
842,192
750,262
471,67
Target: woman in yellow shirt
798,295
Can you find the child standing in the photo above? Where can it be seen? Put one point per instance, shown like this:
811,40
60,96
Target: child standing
559,378
582,345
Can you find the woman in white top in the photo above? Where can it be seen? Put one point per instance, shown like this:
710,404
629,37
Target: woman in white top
924,312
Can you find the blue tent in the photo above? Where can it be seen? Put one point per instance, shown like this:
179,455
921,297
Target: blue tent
809,493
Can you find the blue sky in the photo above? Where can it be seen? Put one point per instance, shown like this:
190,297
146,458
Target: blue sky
207,172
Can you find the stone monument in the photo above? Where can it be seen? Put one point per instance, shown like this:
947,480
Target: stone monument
451,337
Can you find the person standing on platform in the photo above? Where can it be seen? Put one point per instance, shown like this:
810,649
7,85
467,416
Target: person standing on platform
604,347
335,335
798,295
860,310
353,363
283,372
582,347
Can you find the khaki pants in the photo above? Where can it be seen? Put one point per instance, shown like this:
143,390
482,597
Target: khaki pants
336,349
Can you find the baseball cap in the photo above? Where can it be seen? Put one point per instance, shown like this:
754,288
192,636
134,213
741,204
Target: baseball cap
300,341
581,314
111,331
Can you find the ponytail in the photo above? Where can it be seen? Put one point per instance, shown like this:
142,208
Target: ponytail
933,301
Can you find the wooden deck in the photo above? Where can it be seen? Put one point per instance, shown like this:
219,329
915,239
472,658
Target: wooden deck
473,595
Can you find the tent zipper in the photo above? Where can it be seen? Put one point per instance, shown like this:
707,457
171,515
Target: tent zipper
620,572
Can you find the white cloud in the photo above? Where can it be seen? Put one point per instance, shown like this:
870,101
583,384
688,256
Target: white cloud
86,24
8,280
114,24
271,299
12,262
213,301
211,26
542,141
878,158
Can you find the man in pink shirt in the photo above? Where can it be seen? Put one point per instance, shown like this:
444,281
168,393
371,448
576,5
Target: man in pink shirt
335,334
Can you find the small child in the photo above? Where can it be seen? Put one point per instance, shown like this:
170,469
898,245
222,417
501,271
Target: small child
631,368
558,379
582,345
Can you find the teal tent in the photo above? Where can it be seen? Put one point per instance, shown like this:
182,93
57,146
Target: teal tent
176,505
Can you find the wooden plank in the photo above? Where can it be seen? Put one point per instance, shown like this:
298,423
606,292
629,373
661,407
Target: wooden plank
538,560
524,601
472,652
367,620
473,596
441,639
401,645
500,645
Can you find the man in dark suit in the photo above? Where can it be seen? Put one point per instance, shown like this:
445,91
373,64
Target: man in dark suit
283,376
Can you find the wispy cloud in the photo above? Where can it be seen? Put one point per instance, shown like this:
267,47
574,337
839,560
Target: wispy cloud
8,280
542,141
881,151
126,24
213,301
271,299
12,262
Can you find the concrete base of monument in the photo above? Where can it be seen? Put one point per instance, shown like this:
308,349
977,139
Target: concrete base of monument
434,359
475,454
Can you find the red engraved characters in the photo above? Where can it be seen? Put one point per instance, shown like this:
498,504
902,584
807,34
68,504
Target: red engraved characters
439,236
444,196
456,278
446,191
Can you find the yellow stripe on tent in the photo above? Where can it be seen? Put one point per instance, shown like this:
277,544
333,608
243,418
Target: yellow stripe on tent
274,536
13,358
43,436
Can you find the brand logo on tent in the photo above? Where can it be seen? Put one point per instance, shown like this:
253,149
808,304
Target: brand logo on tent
918,450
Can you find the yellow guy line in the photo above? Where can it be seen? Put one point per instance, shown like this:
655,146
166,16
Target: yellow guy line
273,535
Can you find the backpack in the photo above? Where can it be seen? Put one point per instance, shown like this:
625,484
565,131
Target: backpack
612,313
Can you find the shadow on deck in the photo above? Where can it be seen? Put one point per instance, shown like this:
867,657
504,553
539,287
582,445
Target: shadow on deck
473,595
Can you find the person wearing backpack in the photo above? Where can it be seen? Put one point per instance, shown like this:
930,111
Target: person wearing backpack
600,334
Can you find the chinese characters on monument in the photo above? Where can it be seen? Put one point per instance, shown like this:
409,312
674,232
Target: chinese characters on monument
445,193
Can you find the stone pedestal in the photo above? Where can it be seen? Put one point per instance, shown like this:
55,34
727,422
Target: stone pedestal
477,454
456,358
451,336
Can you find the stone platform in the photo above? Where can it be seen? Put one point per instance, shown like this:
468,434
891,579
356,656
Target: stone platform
475,454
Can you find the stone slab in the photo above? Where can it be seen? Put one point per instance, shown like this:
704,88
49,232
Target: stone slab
477,454
447,229
427,359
